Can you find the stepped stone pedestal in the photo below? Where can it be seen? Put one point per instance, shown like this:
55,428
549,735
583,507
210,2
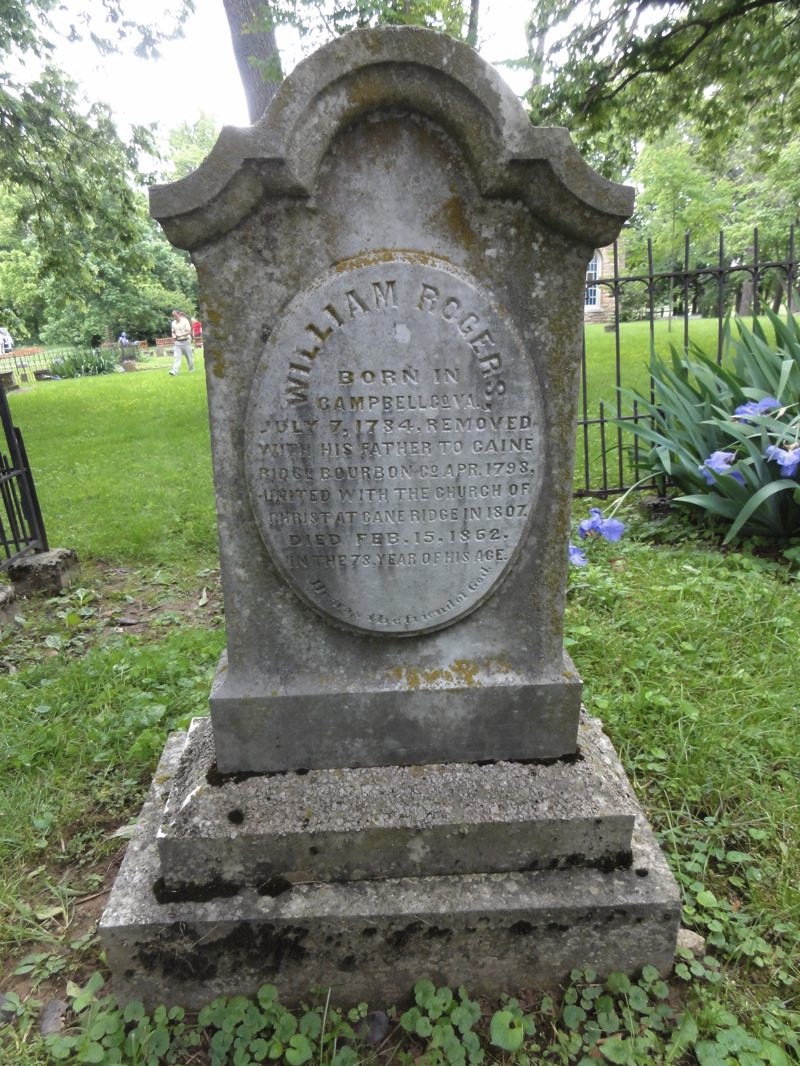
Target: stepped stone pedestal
396,779
498,877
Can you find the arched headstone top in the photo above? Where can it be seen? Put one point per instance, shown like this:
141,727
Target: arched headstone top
367,72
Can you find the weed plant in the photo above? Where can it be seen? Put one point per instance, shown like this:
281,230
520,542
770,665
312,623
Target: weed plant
81,363
688,656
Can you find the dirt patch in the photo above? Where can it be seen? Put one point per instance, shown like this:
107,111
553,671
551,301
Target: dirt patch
67,948
108,600
133,602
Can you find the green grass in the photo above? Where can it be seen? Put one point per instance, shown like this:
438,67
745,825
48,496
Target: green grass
122,464
635,353
689,657
601,355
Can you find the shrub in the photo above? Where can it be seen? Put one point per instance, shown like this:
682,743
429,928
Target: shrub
729,438
83,362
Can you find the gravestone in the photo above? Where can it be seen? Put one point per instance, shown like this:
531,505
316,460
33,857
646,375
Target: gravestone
396,779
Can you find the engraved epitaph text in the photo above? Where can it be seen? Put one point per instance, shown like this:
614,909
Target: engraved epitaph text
394,444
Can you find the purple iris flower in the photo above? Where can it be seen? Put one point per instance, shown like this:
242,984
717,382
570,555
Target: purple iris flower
787,458
576,556
720,463
757,407
608,528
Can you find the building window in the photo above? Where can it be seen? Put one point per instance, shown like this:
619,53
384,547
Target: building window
592,294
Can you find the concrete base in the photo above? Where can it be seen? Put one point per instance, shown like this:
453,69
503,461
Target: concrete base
394,821
8,604
371,939
45,572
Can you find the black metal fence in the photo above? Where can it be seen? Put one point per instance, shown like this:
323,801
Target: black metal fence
649,313
21,526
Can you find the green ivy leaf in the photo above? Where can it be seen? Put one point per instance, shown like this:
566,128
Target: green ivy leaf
133,1012
86,995
773,1054
617,1050
300,1050
423,1026
345,1056
311,1024
573,1016
608,1021
748,1058
221,1042
424,991
259,1049
285,1027
465,1015
267,995
60,1047
709,1053
94,1053
618,983
506,1031
213,1013
159,1042
638,999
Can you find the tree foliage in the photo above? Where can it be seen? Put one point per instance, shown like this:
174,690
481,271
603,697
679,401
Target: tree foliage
335,17
629,69
75,237
678,193
66,156
189,144
130,285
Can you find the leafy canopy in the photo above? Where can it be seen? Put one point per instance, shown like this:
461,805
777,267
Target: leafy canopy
327,20
66,158
628,69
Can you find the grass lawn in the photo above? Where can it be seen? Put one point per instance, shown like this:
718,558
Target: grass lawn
131,448
688,655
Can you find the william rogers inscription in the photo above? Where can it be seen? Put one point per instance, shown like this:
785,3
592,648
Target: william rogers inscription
393,444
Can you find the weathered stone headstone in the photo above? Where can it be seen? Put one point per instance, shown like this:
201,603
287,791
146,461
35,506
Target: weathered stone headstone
395,779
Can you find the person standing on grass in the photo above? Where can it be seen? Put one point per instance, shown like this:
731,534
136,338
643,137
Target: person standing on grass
182,334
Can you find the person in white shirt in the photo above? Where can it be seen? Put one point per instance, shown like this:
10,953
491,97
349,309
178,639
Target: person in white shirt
181,329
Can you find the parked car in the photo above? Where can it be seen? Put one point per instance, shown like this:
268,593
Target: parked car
6,340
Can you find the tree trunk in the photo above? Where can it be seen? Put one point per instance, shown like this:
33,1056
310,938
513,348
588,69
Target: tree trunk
536,32
746,302
746,298
472,28
256,54
777,298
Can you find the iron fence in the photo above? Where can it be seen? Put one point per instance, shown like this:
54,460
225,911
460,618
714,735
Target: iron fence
649,313
21,525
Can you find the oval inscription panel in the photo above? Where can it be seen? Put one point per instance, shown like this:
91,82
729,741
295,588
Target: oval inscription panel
393,444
